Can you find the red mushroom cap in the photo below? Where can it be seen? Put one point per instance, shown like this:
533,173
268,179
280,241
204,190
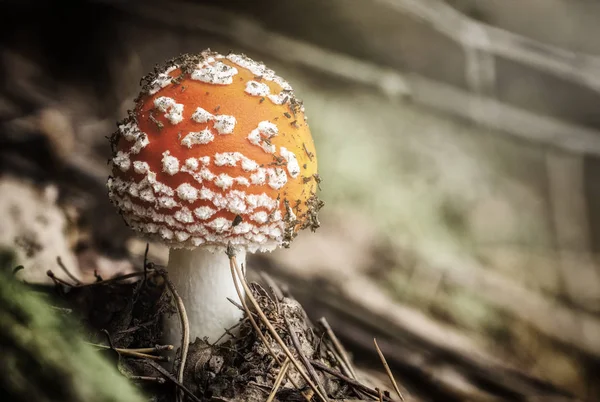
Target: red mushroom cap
216,151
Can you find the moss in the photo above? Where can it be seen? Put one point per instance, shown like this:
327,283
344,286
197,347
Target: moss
43,356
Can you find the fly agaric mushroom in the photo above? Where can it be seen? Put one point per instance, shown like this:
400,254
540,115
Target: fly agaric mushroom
216,152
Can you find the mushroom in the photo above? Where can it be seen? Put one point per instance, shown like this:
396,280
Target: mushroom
216,152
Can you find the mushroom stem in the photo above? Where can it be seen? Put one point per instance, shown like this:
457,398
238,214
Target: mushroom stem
203,280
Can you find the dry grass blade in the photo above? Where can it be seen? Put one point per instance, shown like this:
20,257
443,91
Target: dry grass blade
387,370
267,323
185,330
338,347
137,353
250,315
158,380
282,373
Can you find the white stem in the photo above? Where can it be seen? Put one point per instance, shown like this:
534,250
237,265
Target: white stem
203,280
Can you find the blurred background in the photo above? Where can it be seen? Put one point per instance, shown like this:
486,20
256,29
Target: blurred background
458,143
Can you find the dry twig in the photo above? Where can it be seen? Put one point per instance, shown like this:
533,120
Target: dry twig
57,280
140,353
345,360
101,282
387,369
66,271
158,380
282,373
115,279
129,351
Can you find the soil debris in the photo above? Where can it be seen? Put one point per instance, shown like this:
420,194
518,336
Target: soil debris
123,320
